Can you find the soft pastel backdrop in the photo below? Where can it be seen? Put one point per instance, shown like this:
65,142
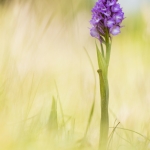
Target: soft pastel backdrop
42,55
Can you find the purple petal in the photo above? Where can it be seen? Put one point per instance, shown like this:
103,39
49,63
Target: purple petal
116,8
109,23
111,2
115,30
94,32
118,17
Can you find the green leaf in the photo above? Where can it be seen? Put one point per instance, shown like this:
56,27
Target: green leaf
102,74
101,61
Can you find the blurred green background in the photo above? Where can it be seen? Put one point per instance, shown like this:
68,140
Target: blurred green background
42,59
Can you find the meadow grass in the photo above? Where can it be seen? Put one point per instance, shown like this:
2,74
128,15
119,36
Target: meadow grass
49,93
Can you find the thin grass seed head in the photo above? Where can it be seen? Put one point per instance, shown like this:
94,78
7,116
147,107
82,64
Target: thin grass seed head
107,15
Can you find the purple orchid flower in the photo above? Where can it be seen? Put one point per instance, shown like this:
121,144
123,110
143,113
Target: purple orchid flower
106,15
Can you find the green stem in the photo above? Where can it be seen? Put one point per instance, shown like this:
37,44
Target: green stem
104,123
104,92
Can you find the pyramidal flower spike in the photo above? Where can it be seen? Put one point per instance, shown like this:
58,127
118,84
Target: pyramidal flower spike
107,16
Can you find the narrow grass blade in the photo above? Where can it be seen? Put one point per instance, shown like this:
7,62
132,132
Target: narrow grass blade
94,94
89,119
61,109
52,122
133,132
111,135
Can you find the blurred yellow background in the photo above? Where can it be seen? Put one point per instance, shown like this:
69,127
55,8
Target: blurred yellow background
42,53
